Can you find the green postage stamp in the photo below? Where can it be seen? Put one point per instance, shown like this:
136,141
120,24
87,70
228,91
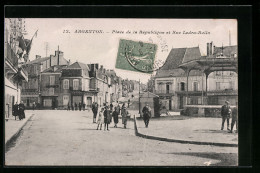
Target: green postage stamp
136,56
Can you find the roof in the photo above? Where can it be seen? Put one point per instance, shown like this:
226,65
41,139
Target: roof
39,60
51,69
174,58
78,65
227,50
191,54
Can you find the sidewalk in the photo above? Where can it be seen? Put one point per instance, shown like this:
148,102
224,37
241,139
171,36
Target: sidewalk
193,130
13,127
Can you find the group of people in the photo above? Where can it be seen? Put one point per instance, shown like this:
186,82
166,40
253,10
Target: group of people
107,112
226,114
18,110
80,106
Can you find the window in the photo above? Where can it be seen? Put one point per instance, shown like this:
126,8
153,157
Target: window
75,84
182,86
35,69
51,91
52,80
66,84
195,86
231,85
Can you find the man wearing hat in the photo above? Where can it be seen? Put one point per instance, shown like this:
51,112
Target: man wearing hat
225,113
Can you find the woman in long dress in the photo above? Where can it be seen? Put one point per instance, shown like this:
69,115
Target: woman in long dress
100,120
124,114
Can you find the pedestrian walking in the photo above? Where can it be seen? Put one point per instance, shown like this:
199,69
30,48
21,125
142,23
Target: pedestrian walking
84,106
21,111
124,114
79,106
225,113
100,118
115,114
234,119
76,107
68,106
146,114
94,110
106,118
72,107
15,110
128,103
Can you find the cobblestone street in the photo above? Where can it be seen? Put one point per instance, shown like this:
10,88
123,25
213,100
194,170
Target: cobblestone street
54,137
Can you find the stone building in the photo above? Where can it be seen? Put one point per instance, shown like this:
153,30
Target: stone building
170,81
14,73
32,91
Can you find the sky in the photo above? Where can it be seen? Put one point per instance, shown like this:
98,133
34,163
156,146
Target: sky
102,47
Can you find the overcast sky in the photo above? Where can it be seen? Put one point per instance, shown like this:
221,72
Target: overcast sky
102,47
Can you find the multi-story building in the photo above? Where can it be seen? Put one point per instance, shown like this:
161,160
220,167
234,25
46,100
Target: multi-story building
33,90
170,82
76,85
14,73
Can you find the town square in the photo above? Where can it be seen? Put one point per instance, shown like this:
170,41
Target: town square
107,97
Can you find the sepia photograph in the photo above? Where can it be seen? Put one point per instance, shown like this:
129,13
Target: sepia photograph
121,92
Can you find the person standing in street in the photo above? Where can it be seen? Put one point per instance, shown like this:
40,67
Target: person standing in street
79,106
100,119
72,107
115,114
124,114
15,110
146,115
84,106
225,113
106,118
128,103
21,110
94,110
234,119
76,106
68,106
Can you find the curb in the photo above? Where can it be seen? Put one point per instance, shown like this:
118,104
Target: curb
18,131
180,141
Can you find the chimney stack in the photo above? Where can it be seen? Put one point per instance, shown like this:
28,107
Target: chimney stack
207,49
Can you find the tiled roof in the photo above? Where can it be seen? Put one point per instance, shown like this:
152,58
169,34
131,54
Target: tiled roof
227,50
180,55
79,65
51,69
174,59
39,60
191,54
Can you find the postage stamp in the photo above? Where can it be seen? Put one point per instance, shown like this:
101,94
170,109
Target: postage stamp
136,56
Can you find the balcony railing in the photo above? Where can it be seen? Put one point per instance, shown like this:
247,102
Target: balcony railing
164,91
29,90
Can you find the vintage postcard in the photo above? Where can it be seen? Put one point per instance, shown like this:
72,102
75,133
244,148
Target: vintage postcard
121,92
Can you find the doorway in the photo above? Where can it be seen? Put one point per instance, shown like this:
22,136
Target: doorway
170,104
181,102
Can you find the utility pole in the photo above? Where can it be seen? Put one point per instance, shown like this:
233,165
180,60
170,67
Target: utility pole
46,47
58,56
139,99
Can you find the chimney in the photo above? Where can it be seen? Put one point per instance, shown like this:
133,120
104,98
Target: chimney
51,57
207,49
211,48
96,65
37,56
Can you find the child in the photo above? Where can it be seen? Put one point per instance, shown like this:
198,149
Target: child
100,118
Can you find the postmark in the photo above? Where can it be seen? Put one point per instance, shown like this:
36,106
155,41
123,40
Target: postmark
136,56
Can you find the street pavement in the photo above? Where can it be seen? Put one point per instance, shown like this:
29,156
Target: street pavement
60,138
189,129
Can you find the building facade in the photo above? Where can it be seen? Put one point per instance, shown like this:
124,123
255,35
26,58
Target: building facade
14,73
170,82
